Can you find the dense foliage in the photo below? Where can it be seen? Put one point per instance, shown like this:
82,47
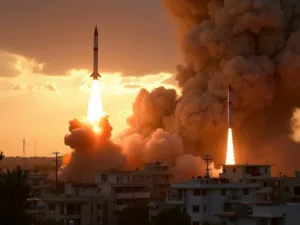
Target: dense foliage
134,215
14,191
173,216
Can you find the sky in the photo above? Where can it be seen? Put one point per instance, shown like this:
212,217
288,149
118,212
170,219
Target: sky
46,59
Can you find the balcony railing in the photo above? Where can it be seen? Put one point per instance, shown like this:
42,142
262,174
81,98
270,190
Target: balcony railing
129,195
234,197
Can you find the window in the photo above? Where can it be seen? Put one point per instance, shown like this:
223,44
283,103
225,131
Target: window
99,219
204,209
234,170
183,209
99,206
265,184
196,208
266,170
51,207
223,191
245,191
196,192
286,189
224,170
62,209
203,192
196,223
266,197
296,190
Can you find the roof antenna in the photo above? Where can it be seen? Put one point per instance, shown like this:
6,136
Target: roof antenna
208,159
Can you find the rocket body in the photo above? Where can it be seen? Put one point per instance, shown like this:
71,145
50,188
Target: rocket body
95,73
229,98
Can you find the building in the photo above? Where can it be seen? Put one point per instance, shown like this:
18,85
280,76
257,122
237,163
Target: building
81,204
37,182
240,193
263,214
250,174
202,197
124,188
277,190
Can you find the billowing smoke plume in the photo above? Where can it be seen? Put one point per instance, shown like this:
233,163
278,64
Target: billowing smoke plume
254,46
92,153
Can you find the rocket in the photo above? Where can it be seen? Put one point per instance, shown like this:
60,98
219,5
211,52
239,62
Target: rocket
95,73
229,98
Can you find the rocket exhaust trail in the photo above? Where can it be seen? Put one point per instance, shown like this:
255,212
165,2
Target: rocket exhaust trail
230,159
95,73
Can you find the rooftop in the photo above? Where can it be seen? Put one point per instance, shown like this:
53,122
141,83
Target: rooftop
248,165
194,184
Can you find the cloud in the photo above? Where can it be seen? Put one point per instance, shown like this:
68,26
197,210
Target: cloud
133,86
116,84
8,66
19,87
45,87
13,65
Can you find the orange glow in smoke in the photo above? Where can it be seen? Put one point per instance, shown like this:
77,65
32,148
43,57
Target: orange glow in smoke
95,109
230,149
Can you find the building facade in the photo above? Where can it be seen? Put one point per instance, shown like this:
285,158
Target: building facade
81,204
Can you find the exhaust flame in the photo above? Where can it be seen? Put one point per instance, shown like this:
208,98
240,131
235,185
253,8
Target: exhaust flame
95,109
230,149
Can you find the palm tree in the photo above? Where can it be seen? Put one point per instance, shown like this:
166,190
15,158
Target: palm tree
1,156
14,192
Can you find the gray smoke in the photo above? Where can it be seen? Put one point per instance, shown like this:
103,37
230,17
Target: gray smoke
253,45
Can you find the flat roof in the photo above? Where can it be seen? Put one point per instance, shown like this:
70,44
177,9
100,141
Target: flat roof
195,185
248,165
233,214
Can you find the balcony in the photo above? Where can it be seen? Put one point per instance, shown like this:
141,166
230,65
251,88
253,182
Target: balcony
133,195
175,200
119,208
265,190
234,198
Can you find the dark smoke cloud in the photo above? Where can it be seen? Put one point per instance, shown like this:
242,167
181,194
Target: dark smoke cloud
253,45
150,109
92,152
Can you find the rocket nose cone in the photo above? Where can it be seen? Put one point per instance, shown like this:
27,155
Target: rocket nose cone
96,31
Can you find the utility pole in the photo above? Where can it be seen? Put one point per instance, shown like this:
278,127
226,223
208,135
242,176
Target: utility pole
56,170
208,159
35,148
24,144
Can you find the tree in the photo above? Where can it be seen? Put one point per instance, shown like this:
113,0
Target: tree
1,156
173,216
14,192
48,222
134,215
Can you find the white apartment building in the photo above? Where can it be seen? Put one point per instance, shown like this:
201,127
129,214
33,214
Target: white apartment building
254,174
81,204
202,197
286,214
123,188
